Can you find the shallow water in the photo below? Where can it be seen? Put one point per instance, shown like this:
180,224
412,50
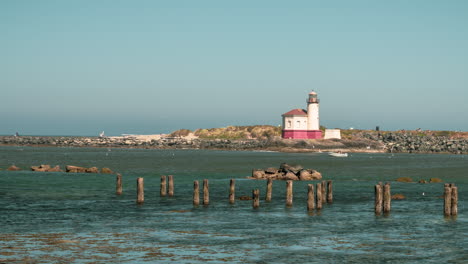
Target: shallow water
64,218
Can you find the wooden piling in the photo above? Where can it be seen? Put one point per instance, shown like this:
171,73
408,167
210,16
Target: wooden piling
329,192
170,186
319,196
118,188
454,200
310,197
289,193
163,186
196,193
206,193
140,191
324,191
255,198
269,190
387,198
378,199
232,191
447,201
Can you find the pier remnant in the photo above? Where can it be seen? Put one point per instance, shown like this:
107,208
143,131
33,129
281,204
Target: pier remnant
170,186
140,191
329,192
378,199
319,196
289,193
255,198
232,191
118,187
387,198
162,190
269,189
310,197
454,201
196,193
206,193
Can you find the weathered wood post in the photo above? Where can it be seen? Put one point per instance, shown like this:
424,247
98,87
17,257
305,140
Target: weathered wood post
196,193
170,187
387,198
329,192
454,208
378,199
118,188
289,193
232,191
269,190
163,186
324,191
206,192
140,191
310,197
447,201
255,198
319,196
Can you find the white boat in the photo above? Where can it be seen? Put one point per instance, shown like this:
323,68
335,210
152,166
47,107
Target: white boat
338,154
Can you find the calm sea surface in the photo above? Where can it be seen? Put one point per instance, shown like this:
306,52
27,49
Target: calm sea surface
77,218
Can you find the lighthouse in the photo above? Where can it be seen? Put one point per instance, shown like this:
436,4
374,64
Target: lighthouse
303,124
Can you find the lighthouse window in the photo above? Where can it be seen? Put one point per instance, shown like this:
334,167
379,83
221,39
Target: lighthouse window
289,123
298,124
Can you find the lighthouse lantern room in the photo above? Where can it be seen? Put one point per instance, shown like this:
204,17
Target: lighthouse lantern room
302,124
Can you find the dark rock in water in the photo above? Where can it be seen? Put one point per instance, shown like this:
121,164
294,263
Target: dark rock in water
404,179
434,180
309,175
422,181
106,170
13,168
271,170
290,176
284,167
398,196
245,198
258,174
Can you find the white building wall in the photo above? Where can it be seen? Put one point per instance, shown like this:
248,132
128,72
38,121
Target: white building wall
295,122
332,133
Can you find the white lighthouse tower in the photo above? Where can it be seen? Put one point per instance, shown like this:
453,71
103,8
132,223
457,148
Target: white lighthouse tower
313,112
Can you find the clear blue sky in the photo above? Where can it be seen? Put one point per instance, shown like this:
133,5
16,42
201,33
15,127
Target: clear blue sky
80,67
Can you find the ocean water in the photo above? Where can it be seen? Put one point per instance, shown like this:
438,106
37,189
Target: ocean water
77,218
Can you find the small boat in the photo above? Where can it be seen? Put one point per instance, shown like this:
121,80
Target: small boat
338,154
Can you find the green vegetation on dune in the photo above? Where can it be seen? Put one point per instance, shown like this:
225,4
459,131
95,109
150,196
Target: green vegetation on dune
233,132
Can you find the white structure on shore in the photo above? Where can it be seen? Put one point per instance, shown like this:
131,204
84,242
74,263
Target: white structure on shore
302,124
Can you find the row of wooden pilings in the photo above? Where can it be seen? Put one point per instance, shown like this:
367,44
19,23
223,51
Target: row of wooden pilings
314,200
383,199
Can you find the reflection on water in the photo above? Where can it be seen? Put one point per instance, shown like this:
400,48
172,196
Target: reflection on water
63,218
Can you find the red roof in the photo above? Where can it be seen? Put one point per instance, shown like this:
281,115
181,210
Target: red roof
299,112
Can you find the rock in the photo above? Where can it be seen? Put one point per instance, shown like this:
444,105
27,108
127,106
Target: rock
271,171
434,180
398,196
309,175
422,181
40,168
106,170
290,176
289,168
404,179
55,169
258,174
245,198
92,170
75,169
13,168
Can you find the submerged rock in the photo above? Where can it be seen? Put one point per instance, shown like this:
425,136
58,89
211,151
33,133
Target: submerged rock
13,168
398,196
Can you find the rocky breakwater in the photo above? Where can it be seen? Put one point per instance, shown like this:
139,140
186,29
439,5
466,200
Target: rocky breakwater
420,143
287,172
